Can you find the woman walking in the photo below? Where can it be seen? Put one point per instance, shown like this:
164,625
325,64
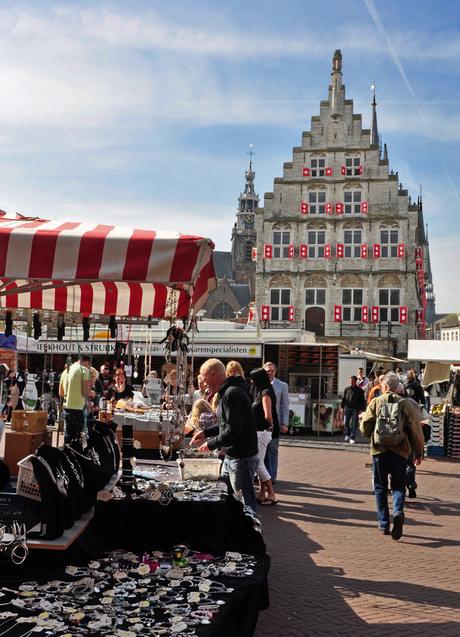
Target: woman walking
264,410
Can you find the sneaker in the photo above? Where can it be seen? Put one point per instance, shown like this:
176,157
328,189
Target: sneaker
352,441
396,531
346,439
412,492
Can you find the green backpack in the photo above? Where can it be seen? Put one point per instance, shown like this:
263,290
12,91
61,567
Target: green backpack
388,430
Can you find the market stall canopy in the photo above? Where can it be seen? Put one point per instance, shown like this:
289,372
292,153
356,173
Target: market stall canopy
434,351
98,269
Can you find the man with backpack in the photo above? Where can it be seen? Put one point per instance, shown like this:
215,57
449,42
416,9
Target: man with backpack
395,431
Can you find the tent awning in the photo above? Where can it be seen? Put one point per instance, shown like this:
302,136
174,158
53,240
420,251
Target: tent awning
434,351
99,269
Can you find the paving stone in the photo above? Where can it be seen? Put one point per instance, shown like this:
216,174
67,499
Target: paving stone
333,573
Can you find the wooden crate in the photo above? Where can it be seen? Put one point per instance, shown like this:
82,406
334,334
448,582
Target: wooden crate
35,420
147,439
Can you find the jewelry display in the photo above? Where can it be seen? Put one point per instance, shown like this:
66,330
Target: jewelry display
121,595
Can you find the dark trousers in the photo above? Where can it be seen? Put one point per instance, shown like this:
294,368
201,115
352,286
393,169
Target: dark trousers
74,422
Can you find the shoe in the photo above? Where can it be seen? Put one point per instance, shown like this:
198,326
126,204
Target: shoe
352,441
259,501
269,503
397,529
346,439
412,492
384,531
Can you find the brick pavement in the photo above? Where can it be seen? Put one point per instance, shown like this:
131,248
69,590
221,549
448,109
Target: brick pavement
333,573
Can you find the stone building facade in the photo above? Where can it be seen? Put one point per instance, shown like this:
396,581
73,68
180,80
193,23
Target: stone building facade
341,248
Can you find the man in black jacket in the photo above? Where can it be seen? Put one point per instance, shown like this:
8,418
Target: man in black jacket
235,432
353,402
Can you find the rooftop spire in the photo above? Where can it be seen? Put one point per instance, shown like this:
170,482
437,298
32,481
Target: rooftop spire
336,83
374,128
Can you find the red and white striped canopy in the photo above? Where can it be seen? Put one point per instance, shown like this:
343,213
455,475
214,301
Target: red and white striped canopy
97,269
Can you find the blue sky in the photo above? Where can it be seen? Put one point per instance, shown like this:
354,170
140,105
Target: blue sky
141,114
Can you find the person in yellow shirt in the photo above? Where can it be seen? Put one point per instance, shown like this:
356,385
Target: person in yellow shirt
76,389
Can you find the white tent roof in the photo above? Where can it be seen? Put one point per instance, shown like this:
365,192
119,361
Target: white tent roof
434,351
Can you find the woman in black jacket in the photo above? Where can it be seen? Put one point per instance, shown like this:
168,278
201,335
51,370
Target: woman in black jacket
264,410
413,388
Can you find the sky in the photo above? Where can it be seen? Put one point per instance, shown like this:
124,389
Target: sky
141,114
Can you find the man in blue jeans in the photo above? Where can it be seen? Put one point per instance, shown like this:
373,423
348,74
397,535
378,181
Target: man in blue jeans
235,432
353,402
391,461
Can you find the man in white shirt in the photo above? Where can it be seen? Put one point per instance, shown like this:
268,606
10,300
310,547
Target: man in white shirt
282,409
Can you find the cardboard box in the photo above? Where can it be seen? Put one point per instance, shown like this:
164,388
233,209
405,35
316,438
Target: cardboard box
19,444
31,421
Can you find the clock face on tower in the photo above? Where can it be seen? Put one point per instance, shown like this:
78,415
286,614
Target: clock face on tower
249,218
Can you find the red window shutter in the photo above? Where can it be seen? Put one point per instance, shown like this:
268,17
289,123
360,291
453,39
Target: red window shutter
360,170
418,253
337,313
422,313
419,264
291,312
254,254
339,208
365,314
339,250
291,251
328,208
327,251
364,207
304,208
374,314
328,172
403,314
306,172
343,170
303,251
401,250
364,251
268,253
376,249
265,313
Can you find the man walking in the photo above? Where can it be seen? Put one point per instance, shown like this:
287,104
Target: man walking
76,389
391,460
362,381
353,402
282,409
235,432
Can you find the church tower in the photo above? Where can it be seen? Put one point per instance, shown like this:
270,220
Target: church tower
244,236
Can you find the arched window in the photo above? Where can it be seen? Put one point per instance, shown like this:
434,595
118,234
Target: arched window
222,310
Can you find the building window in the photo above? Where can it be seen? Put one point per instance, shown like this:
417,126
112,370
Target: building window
389,243
352,243
222,310
248,252
280,300
315,296
317,203
316,240
318,167
352,304
281,243
389,302
352,166
352,201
